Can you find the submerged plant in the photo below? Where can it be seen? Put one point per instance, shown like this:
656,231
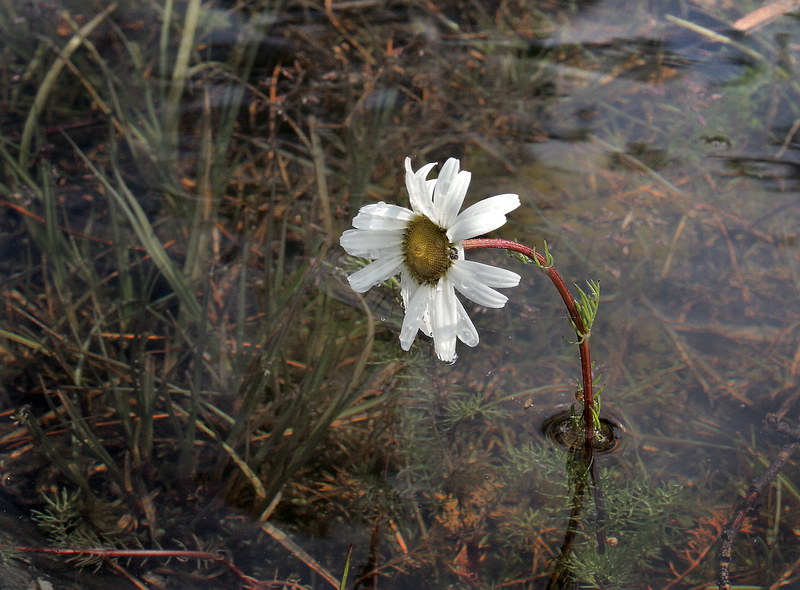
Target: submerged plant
638,525
426,245
62,521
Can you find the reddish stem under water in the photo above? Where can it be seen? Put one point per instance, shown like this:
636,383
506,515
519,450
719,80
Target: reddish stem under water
247,581
574,314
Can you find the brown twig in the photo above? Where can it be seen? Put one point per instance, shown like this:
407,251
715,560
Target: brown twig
746,506
765,14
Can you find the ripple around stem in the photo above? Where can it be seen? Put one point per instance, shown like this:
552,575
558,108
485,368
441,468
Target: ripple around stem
568,431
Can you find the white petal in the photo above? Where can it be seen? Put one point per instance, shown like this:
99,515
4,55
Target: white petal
451,187
472,288
382,216
447,175
482,217
444,316
371,243
375,273
415,310
491,276
422,172
419,194
465,330
408,288
430,185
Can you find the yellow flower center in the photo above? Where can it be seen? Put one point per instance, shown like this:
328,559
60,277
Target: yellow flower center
426,251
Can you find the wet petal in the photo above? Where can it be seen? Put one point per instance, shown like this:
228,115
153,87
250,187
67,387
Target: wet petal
482,217
465,329
408,288
375,273
446,176
491,276
419,193
429,186
382,216
473,289
451,188
415,310
371,243
444,317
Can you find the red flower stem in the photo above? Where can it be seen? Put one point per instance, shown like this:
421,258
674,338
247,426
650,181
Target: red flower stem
574,314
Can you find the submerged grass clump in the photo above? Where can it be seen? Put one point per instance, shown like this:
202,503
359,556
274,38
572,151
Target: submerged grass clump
171,335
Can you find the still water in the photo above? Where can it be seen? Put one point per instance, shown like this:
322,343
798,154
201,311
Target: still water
186,369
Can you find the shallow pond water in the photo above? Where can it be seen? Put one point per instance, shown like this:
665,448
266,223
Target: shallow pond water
185,367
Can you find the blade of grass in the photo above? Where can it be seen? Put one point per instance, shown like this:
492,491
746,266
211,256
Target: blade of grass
186,462
67,468
250,475
334,408
49,81
24,341
142,442
163,40
82,432
346,568
180,73
144,230
299,553
322,184
204,213
275,335
716,37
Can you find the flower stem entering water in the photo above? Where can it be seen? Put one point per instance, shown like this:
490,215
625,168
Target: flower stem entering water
581,329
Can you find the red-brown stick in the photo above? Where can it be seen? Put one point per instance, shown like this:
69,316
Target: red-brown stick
143,553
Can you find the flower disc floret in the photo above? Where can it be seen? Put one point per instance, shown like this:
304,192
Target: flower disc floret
427,253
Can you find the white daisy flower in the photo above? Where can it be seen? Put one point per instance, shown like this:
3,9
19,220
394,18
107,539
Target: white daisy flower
424,244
